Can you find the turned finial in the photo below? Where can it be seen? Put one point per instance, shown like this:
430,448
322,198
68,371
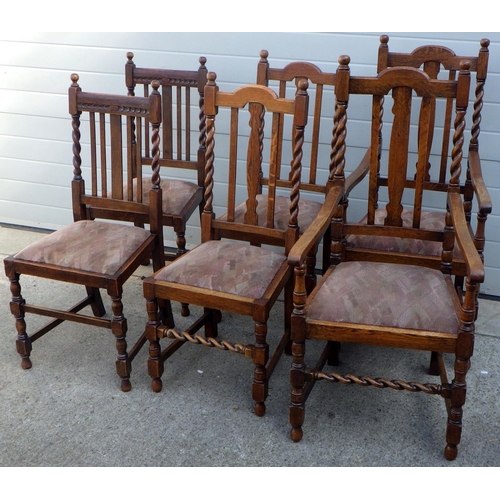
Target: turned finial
384,39
344,60
465,65
264,54
211,77
302,85
156,85
74,79
485,43
203,61
130,56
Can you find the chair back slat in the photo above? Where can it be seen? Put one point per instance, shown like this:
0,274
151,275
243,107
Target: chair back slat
93,153
233,159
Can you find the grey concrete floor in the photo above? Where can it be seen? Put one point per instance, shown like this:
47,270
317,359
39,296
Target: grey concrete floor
68,409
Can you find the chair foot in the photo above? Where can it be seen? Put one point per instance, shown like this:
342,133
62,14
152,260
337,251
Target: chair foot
260,409
185,310
450,452
156,385
125,385
296,434
26,363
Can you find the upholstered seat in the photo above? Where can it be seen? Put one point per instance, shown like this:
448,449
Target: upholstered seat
308,210
433,221
86,245
226,267
357,287
177,194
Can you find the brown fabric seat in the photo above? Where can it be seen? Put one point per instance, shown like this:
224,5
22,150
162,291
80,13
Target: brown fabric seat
357,288
223,266
308,210
177,194
93,246
433,221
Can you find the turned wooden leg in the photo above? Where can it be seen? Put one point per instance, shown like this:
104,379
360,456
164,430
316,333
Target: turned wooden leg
155,363
288,310
297,381
119,330
297,370
181,250
260,358
465,346
23,342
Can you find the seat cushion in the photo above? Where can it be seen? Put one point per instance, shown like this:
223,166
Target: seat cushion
98,247
392,295
235,268
308,210
176,194
433,221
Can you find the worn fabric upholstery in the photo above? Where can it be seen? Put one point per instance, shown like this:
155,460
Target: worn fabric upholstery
430,220
235,268
99,247
308,210
372,293
176,194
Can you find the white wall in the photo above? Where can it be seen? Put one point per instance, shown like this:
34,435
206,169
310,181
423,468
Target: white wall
35,128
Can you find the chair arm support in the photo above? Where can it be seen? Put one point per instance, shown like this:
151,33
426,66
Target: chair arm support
483,197
474,265
358,174
299,251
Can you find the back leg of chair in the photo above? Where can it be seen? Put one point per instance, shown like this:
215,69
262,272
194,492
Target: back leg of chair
434,364
211,328
97,305
146,261
23,342
260,358
166,316
180,231
454,427
334,353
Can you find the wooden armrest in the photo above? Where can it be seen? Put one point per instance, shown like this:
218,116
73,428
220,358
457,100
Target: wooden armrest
482,195
358,174
475,267
319,225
